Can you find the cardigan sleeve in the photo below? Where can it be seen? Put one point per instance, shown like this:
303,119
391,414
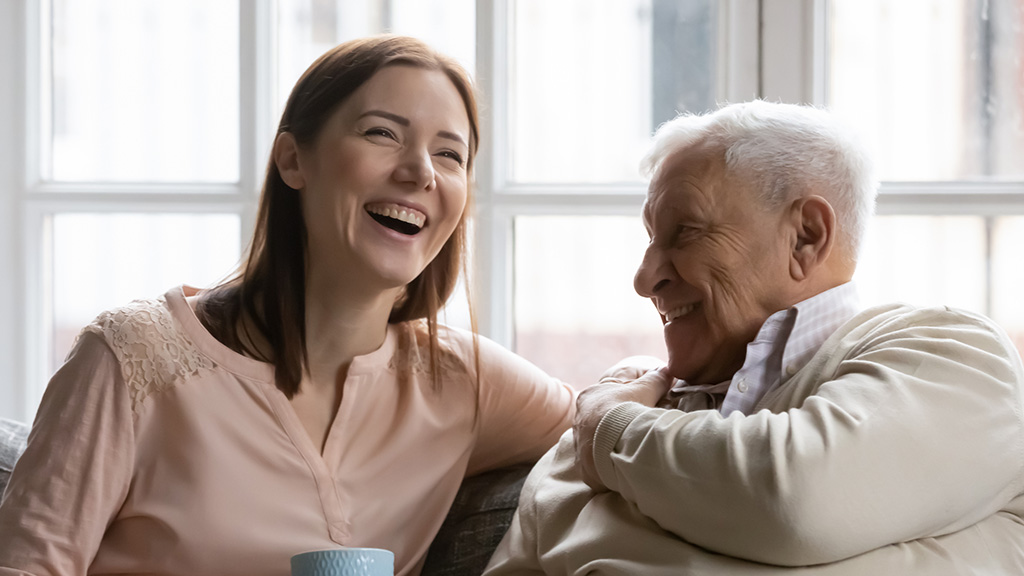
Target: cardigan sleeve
916,433
75,472
522,410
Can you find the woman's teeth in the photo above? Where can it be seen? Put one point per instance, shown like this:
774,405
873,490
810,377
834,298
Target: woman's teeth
398,213
681,311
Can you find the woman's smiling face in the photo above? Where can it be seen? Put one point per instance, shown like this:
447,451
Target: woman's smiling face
385,182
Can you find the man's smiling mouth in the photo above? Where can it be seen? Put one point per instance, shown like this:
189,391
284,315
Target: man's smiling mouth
400,219
681,311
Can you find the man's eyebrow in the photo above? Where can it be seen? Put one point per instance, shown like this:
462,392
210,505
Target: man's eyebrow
405,122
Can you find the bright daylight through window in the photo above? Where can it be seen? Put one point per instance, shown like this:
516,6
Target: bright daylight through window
148,123
938,90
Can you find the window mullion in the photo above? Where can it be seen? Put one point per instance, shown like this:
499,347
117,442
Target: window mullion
951,198
492,279
14,60
257,59
792,50
990,223
738,48
569,200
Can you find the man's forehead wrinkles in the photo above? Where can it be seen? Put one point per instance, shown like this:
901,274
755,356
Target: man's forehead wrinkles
654,206
654,211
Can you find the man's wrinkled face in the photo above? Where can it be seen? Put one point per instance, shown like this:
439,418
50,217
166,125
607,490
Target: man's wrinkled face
717,264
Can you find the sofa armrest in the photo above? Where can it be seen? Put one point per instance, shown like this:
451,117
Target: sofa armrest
12,444
476,523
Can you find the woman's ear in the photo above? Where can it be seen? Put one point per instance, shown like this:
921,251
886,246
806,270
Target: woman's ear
815,223
286,157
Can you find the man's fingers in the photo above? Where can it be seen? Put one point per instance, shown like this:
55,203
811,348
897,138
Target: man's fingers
631,368
655,383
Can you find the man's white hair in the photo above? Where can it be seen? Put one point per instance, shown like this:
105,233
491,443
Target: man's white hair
783,150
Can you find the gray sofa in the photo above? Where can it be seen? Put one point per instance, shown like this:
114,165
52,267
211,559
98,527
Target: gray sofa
12,444
478,519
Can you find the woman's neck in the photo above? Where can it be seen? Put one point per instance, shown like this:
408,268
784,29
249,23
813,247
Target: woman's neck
343,321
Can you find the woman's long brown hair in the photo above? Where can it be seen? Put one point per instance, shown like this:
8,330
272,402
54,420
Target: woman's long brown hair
269,288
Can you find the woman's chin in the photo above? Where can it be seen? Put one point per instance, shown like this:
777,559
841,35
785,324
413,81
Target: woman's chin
394,274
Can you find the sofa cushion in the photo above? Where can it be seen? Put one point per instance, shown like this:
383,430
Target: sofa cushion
12,444
477,521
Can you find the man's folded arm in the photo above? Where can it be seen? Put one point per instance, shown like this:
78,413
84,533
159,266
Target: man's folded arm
917,432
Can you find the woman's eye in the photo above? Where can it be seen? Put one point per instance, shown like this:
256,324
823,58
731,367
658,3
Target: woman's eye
453,155
378,131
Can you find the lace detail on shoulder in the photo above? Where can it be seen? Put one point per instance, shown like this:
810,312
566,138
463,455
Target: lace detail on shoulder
154,353
413,354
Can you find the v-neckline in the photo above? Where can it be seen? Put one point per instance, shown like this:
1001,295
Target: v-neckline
361,366
328,456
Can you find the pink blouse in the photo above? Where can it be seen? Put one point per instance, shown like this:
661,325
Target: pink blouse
158,450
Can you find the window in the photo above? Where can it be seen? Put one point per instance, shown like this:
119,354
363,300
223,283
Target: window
131,179
119,72
937,88
136,160
587,83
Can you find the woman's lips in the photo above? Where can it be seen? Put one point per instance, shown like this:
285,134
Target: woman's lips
401,218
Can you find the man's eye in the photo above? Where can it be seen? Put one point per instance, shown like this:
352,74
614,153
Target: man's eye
681,232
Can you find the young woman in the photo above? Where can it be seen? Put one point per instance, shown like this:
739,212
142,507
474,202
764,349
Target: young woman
312,401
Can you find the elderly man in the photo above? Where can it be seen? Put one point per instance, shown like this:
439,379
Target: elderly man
791,431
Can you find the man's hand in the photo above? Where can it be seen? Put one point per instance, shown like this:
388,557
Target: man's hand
595,401
631,368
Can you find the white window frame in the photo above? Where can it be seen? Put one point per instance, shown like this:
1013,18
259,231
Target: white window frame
757,49
12,150
29,203
499,200
793,69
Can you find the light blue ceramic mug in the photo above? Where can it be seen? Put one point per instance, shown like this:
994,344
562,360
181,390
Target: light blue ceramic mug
344,562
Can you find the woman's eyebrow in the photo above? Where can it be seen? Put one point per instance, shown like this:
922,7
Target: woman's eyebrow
451,136
387,115
402,120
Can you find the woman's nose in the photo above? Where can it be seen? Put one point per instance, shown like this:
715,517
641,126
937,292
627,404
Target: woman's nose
416,168
653,273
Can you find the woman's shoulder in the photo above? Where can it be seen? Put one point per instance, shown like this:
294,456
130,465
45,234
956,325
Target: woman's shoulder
143,322
494,360
458,349
129,329
468,344
457,340
149,343
131,320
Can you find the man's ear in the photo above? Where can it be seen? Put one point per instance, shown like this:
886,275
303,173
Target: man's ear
286,157
815,224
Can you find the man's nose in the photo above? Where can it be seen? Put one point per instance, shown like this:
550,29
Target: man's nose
653,274
416,167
